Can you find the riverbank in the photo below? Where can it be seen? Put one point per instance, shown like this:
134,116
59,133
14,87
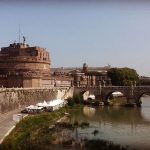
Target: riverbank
51,131
31,131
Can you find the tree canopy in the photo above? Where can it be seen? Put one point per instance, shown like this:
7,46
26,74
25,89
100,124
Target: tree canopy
123,76
95,73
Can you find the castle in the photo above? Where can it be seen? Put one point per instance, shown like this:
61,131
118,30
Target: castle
25,66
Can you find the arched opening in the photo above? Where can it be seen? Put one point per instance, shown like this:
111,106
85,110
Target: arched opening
89,98
144,101
87,95
115,98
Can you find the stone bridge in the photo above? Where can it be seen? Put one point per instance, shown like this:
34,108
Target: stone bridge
15,98
132,93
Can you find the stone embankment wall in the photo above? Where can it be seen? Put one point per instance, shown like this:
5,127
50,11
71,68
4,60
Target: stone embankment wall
17,98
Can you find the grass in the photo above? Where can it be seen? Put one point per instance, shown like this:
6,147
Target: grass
118,101
28,132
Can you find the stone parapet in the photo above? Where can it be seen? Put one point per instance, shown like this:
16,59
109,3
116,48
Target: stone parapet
15,98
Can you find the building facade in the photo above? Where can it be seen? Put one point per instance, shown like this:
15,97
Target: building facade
24,66
85,76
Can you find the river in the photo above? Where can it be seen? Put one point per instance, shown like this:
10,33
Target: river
124,126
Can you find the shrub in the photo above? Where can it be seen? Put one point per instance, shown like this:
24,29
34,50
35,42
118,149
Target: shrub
71,101
77,99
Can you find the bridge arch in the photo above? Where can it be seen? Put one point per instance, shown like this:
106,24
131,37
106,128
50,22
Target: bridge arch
131,93
140,95
84,91
107,96
86,94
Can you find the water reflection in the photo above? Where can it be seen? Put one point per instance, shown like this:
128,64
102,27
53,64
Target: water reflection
145,107
126,126
117,115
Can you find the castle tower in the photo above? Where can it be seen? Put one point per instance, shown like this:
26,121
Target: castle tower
23,66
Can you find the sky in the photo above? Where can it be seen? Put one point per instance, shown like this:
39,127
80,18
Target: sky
97,32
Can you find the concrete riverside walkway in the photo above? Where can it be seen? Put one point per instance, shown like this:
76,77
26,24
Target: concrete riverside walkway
7,123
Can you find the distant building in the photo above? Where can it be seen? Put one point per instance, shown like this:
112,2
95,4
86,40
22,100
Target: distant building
143,80
85,76
25,66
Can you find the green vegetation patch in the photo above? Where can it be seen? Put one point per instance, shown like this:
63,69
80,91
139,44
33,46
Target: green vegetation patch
123,76
32,131
76,99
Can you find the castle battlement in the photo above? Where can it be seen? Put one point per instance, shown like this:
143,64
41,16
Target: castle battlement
23,66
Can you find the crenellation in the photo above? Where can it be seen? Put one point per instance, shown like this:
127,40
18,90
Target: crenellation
23,66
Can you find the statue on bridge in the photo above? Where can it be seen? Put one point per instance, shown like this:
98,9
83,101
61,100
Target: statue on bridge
134,83
104,82
100,84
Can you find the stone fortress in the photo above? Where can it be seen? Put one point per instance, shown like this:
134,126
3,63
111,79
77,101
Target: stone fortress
29,67
24,66
27,78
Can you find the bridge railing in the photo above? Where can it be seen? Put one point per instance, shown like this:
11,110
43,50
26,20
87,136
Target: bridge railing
112,86
85,87
103,86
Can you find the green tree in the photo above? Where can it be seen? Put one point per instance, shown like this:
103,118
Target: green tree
123,76
78,99
71,101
